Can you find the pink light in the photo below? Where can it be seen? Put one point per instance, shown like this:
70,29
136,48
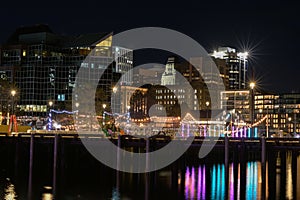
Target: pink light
203,183
231,181
187,182
193,180
199,183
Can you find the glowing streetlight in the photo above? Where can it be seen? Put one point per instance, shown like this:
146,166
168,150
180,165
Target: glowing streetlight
103,116
207,104
252,85
115,89
13,93
50,116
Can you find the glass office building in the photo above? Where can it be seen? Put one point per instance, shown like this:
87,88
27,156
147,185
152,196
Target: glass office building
44,65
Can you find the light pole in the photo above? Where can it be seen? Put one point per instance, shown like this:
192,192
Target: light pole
50,115
128,117
207,104
288,125
252,86
76,116
294,122
103,116
115,89
13,93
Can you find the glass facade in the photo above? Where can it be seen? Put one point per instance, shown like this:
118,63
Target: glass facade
48,64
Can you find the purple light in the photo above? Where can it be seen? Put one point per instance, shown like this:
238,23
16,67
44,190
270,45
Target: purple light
193,183
187,181
203,183
199,183
231,180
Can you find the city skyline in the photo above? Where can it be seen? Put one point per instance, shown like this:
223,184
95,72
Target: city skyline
268,30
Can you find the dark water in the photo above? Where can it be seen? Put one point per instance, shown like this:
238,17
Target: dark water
80,176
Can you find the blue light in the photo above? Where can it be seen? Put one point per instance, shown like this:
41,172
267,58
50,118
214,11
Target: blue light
213,181
223,183
249,132
255,132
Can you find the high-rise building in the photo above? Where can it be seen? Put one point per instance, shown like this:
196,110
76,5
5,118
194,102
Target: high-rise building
44,65
237,66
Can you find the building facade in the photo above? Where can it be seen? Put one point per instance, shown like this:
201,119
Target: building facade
237,66
44,65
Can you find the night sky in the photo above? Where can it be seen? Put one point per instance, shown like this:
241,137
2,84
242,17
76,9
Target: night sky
269,30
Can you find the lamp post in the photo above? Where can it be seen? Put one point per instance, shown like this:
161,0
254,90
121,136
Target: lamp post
252,86
76,116
288,126
294,122
128,117
103,116
13,93
207,104
115,89
50,115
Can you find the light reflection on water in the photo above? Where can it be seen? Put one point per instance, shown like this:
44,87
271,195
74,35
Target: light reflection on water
198,181
10,193
196,187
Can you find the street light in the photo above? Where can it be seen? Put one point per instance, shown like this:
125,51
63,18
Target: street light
252,86
76,116
50,115
13,93
207,104
50,103
115,89
103,116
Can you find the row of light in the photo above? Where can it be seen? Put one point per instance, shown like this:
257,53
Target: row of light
259,122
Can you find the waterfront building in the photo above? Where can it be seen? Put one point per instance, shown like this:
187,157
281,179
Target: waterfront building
237,100
44,65
289,112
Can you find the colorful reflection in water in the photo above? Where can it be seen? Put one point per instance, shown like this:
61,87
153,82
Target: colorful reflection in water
209,181
253,180
218,181
195,185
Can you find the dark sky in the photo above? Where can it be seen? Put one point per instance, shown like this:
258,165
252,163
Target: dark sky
270,30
